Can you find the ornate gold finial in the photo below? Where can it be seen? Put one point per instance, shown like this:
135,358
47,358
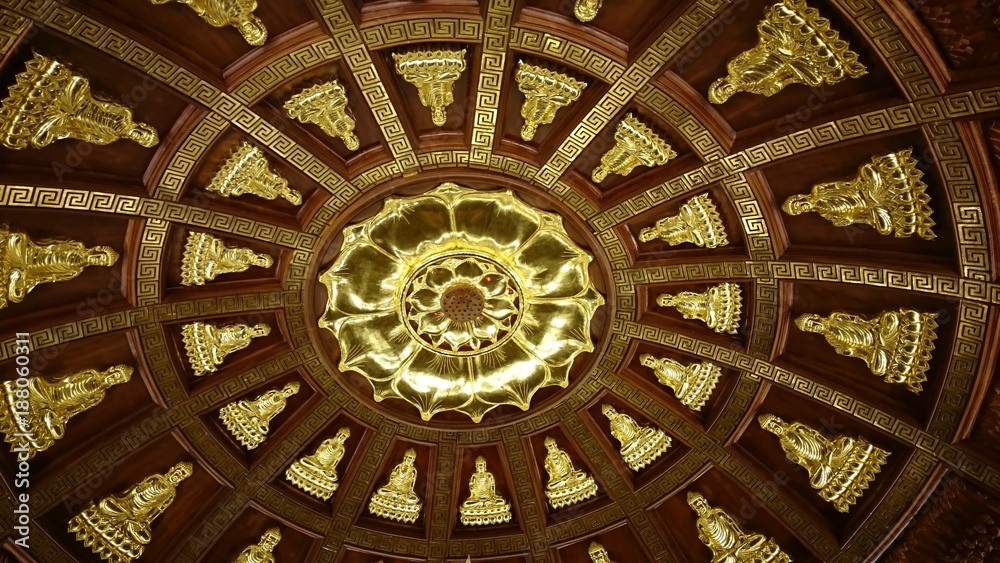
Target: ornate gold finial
566,484
796,46
719,307
545,91
586,10
895,344
237,13
397,499
840,469
246,171
887,194
249,421
261,552
206,257
326,105
598,554
728,542
208,345
434,74
316,474
50,102
698,222
39,411
484,505
119,526
641,445
635,145
25,264
692,384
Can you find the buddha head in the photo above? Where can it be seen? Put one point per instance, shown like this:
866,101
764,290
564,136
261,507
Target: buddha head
798,204
253,30
550,444
342,435
410,457
270,539
648,360
144,134
116,375
102,256
810,323
721,90
598,554
698,503
180,472
480,464
772,424
647,234
259,330
262,260
292,196
290,389
666,300
609,411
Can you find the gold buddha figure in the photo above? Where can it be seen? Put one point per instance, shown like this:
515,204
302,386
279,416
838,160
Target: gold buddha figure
325,105
25,264
635,145
246,171
40,411
566,484
434,74
692,384
237,13
484,506
50,102
208,345
261,552
796,46
698,222
397,499
719,307
119,526
249,421
586,10
896,345
206,256
641,445
840,469
545,92
316,474
887,194
598,554
728,542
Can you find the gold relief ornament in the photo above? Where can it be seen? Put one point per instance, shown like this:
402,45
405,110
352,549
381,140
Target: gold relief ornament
692,384
566,485
888,194
896,345
434,74
840,468
796,46
261,552
698,222
316,474
34,416
397,499
586,10
460,300
246,171
598,554
119,526
237,13
484,505
208,345
206,256
640,445
635,145
49,102
719,307
249,421
25,264
545,92
325,105
728,542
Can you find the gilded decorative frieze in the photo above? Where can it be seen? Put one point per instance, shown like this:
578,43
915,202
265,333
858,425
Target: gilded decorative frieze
545,92
433,73
326,105
698,223
636,144
247,171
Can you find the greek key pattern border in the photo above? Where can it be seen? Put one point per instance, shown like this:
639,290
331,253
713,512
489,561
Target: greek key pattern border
276,72
149,262
11,28
183,162
413,30
499,15
566,51
706,146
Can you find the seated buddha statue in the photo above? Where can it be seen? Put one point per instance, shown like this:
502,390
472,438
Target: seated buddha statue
635,145
316,474
796,46
26,264
692,384
262,551
434,74
325,105
698,223
247,171
205,257
49,102
840,468
719,307
586,10
119,526
567,485
208,345
249,421
484,505
397,499
237,13
641,445
896,345
545,92
887,194
728,542
41,417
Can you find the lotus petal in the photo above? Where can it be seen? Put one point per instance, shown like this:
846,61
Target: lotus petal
555,331
375,345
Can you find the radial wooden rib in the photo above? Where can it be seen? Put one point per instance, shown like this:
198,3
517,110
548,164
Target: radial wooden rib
694,132
492,67
182,163
567,51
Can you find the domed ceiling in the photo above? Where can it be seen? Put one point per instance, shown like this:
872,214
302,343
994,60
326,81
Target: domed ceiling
505,280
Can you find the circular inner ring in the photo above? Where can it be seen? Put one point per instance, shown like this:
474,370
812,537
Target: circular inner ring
462,303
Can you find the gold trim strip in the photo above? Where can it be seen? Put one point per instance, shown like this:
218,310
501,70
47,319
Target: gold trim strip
416,30
704,144
566,51
258,84
11,28
499,15
184,161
